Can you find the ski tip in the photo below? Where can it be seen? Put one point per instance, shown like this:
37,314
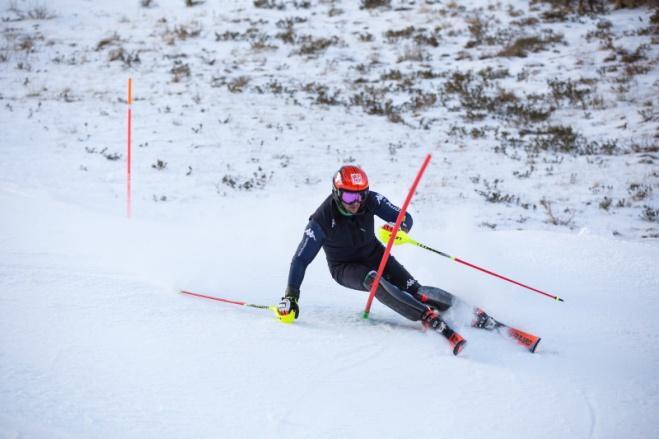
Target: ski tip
459,346
535,345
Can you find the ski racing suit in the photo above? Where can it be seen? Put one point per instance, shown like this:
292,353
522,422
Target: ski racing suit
353,255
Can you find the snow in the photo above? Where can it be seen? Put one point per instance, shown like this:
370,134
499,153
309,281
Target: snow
97,341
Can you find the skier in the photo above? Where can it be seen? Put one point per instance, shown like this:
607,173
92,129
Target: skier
343,225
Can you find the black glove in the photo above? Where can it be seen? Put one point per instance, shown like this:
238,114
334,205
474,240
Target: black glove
288,305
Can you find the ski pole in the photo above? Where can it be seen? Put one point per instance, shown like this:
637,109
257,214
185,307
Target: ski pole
404,238
288,318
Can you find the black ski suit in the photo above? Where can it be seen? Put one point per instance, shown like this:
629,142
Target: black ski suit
353,253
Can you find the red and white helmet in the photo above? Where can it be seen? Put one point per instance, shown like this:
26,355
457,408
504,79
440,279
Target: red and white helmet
350,185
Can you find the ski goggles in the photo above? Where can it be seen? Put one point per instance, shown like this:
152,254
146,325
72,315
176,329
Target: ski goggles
353,197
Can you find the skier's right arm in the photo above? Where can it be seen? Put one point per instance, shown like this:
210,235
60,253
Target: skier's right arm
312,242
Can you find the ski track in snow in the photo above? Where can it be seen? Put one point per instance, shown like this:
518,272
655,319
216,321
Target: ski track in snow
591,416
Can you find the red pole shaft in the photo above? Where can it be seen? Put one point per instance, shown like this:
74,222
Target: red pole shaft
235,302
468,264
399,220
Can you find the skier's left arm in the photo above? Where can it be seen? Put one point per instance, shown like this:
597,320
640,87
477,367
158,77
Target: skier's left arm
389,212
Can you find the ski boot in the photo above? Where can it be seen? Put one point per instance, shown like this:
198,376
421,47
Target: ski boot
432,320
483,320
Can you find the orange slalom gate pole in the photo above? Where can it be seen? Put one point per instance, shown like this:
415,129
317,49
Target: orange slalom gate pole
128,155
399,220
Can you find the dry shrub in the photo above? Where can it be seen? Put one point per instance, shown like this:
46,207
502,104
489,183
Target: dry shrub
313,46
180,71
40,12
238,84
182,32
553,218
372,4
108,41
521,46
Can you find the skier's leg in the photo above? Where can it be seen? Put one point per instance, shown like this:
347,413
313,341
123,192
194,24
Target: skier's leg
398,289
406,305
398,300
435,297
393,297
350,275
394,272
360,277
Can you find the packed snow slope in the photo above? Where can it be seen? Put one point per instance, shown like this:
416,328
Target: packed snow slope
96,341
542,123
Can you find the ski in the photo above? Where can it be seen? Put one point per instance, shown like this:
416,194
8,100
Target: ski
485,321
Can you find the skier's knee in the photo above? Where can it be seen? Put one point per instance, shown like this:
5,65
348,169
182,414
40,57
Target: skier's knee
396,299
435,297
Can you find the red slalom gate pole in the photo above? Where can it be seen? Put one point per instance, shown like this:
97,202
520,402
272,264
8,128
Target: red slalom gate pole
399,220
128,155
